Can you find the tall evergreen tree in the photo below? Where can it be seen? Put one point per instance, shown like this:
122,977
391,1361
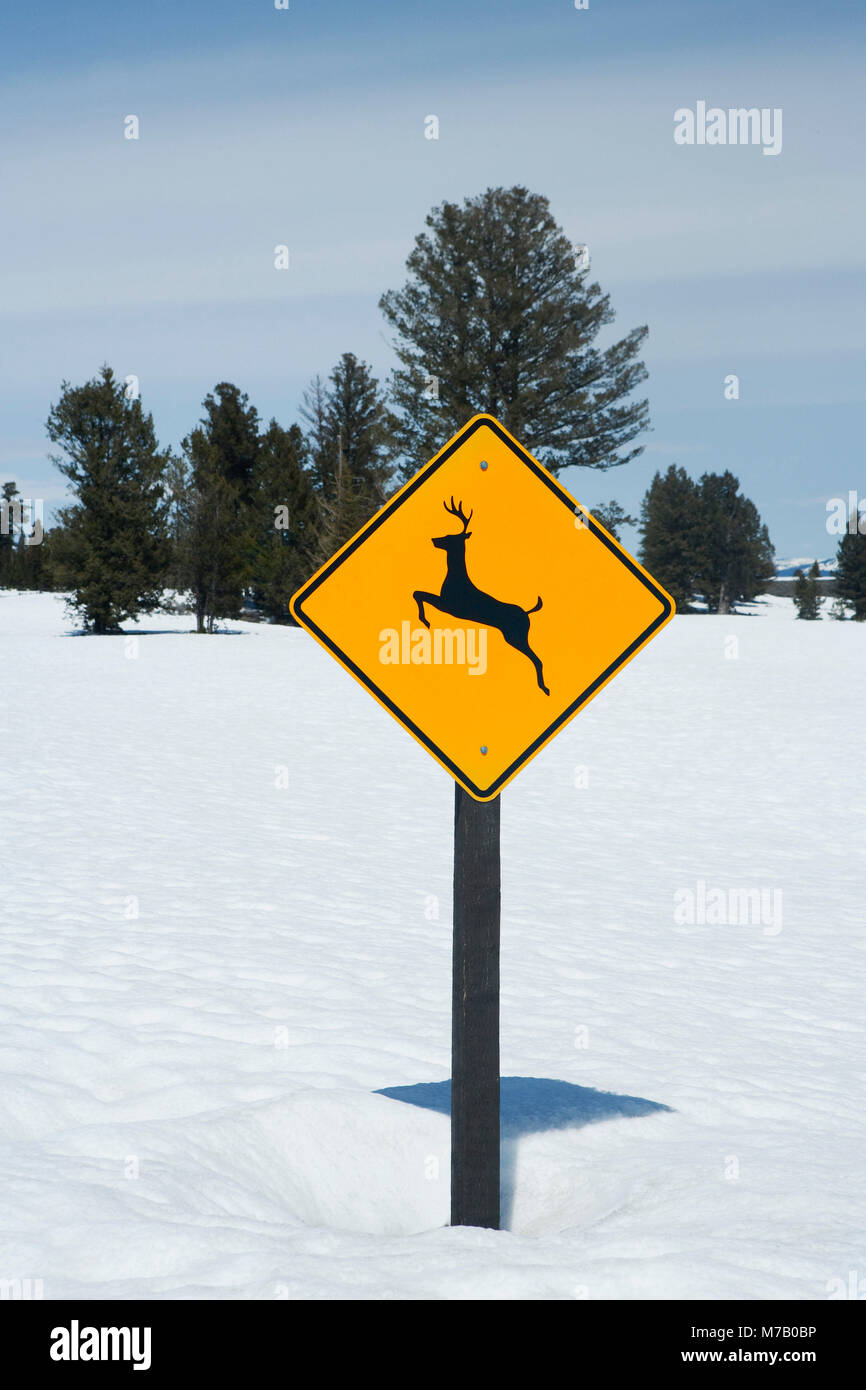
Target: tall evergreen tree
735,556
114,550
351,449
807,593
670,531
178,490
851,573
314,412
287,521
499,316
212,505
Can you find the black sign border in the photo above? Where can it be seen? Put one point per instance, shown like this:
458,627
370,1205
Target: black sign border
308,589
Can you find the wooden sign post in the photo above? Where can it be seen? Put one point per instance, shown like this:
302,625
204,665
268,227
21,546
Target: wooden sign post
483,632
475,1014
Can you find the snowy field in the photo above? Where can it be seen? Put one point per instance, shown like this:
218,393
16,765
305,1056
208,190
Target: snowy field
226,931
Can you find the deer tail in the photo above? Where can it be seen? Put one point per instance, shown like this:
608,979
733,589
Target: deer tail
533,609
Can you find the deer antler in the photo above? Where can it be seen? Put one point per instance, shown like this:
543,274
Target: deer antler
459,513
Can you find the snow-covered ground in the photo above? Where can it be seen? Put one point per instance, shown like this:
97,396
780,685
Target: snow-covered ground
226,931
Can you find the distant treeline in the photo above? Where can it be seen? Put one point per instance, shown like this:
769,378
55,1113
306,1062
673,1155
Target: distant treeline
498,315
708,546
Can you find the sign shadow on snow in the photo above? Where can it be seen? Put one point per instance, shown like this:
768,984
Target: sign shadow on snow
532,1105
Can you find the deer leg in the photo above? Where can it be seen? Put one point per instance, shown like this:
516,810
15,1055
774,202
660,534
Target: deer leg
435,601
536,661
539,671
521,644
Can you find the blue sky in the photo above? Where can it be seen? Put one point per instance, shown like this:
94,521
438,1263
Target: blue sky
306,127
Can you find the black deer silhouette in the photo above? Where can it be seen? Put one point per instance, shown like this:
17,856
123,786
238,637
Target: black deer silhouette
461,599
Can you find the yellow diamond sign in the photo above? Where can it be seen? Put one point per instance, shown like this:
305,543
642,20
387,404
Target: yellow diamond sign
482,607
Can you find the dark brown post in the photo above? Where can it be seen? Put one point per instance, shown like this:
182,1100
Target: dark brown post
475,1014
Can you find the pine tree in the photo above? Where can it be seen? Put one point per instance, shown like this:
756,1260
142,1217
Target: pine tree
613,517
735,556
670,531
114,544
851,573
55,555
10,514
316,440
807,593
29,560
498,316
212,506
350,442
22,542
178,489
287,521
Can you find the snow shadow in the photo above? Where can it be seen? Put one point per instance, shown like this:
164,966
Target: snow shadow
532,1105
156,632
182,632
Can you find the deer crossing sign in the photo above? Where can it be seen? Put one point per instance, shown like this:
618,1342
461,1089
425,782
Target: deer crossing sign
482,566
